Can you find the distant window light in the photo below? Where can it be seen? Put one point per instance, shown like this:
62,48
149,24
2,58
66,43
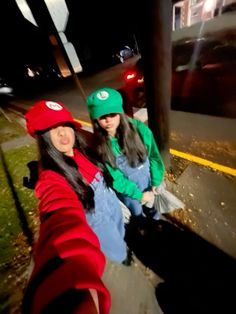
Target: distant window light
30,72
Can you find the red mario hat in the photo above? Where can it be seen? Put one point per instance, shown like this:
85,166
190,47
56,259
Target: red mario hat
45,114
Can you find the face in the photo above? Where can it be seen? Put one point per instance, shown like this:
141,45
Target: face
63,138
110,122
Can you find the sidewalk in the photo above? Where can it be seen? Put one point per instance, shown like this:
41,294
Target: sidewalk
209,194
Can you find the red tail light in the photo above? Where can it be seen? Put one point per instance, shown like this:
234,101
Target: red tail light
130,76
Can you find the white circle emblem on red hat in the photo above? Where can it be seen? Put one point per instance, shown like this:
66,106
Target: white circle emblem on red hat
53,105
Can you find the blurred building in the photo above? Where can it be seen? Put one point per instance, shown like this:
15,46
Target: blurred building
189,12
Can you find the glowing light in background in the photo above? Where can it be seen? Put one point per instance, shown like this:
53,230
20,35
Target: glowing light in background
209,5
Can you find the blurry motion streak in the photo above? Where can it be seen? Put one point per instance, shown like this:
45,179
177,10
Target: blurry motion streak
58,12
25,10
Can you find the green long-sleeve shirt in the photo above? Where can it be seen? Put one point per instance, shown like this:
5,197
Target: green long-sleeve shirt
120,182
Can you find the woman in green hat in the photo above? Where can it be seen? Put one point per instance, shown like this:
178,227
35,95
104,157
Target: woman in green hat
128,149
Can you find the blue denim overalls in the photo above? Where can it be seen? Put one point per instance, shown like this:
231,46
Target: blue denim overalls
107,221
141,176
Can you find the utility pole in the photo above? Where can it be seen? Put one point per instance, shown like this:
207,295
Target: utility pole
155,39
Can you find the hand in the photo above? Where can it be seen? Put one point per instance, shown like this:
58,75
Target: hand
148,197
156,190
159,188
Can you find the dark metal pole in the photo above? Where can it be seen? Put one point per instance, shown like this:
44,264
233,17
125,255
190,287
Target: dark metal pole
156,54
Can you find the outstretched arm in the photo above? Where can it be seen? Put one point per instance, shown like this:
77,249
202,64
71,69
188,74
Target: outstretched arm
68,261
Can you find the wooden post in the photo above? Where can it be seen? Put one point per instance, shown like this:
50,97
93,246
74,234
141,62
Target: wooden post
155,37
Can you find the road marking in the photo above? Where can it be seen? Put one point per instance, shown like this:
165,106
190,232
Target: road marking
198,160
83,122
204,162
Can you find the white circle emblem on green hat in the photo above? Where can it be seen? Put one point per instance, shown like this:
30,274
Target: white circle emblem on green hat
102,95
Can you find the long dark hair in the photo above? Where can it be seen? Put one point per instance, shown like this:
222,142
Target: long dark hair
128,138
52,159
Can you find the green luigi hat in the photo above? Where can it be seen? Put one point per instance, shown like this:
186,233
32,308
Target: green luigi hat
104,101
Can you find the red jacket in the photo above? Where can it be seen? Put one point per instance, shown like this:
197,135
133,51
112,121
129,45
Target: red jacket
67,254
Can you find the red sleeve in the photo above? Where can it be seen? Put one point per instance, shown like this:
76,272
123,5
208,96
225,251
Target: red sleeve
67,254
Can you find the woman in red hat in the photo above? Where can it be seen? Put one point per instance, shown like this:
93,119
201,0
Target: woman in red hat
78,213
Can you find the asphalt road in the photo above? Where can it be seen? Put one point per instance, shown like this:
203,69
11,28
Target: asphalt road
206,136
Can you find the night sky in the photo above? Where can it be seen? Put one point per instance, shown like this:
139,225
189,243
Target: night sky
95,28
21,42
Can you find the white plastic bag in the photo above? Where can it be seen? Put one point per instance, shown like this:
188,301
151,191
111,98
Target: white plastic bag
165,201
126,213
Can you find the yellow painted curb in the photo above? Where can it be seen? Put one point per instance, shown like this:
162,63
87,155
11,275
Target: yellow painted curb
204,162
83,122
